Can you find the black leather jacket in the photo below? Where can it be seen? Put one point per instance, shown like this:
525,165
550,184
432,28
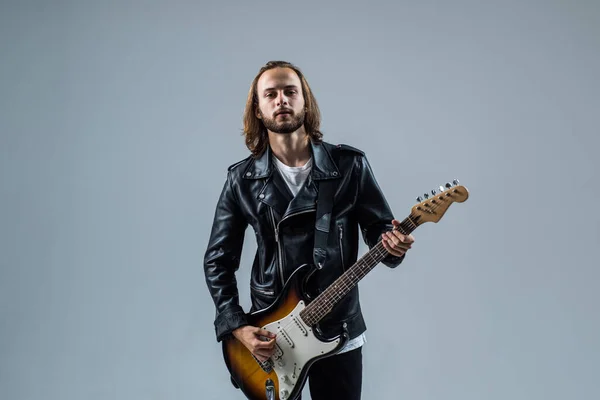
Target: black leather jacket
255,194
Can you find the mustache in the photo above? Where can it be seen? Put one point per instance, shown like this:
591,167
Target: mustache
283,111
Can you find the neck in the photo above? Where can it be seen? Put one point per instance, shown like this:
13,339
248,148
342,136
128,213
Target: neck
292,149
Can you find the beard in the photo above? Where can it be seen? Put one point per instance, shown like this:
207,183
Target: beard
292,124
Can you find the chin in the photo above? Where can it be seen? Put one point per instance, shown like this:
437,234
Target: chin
286,129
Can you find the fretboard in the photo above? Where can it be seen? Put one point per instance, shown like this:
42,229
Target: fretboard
325,302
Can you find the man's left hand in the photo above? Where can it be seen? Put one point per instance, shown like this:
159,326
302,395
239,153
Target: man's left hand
395,242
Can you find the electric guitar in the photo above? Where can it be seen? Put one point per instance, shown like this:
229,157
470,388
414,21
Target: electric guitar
293,316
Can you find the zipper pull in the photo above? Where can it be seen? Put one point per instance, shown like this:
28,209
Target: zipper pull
277,235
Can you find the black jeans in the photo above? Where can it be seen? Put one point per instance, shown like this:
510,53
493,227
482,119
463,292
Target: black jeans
337,377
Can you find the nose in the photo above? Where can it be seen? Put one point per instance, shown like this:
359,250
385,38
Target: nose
282,99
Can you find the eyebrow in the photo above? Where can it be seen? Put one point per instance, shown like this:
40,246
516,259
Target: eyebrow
285,87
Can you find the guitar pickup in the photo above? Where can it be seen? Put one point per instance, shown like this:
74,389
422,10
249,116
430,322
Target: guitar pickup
300,326
288,339
278,353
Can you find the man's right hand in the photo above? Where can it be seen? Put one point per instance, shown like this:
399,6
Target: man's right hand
260,342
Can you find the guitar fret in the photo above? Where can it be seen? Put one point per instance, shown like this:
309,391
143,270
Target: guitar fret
325,301
331,296
321,306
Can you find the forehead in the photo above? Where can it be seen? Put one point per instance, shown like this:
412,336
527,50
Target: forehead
278,78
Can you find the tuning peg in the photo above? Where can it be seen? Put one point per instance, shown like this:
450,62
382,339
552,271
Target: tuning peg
455,182
441,189
448,185
419,199
433,192
426,195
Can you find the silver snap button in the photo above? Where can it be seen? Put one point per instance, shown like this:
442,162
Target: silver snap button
334,173
248,173
261,196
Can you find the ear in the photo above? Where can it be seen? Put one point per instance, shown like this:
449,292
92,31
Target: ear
257,111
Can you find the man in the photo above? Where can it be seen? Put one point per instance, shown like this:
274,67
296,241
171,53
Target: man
275,190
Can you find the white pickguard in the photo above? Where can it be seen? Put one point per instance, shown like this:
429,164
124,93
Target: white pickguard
296,345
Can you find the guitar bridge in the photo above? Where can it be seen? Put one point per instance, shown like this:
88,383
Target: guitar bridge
266,366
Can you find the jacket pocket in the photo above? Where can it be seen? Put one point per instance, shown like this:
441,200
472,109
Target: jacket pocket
262,297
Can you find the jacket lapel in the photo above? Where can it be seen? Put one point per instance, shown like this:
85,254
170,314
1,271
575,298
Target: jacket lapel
275,192
305,200
323,168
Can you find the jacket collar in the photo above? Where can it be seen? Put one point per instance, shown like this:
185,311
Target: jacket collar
275,192
323,165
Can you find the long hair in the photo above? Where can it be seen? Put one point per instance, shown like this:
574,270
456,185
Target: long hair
254,129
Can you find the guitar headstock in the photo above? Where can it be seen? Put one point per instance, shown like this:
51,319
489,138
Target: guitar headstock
432,207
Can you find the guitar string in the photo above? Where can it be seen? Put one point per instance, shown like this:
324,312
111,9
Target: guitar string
316,312
320,312
363,268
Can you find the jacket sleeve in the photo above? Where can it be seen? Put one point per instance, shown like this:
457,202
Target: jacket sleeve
222,260
372,210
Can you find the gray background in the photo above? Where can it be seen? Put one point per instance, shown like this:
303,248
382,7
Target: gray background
118,121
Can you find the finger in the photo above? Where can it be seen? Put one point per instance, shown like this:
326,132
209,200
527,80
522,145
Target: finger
263,353
392,239
265,345
396,241
403,246
264,333
405,241
401,237
405,238
260,357
393,251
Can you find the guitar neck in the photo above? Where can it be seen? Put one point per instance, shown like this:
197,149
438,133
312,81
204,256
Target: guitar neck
325,302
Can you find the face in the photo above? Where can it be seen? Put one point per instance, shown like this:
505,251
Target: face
280,100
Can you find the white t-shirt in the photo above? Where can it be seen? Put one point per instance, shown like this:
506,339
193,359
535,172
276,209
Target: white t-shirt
294,177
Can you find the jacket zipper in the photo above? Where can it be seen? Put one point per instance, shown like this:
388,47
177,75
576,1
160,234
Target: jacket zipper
341,235
276,227
279,252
